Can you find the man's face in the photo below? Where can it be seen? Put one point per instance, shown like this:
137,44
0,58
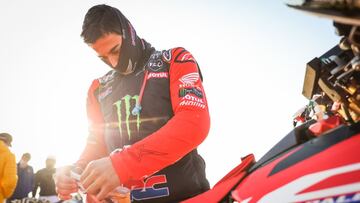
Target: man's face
50,163
26,159
108,48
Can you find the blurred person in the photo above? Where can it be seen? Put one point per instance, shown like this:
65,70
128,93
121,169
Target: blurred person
45,182
25,182
147,116
8,176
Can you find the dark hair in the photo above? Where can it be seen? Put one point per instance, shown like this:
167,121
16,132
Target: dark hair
27,156
99,20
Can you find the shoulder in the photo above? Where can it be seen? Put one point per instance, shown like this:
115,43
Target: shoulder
182,64
7,152
161,61
41,171
107,78
173,55
103,81
11,156
178,55
30,169
156,62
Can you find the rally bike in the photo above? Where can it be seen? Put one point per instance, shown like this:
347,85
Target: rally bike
319,160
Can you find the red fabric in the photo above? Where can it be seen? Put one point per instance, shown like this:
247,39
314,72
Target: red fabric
180,135
183,132
341,158
322,126
224,186
95,147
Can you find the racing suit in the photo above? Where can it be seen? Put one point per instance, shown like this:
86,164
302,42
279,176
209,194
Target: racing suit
154,153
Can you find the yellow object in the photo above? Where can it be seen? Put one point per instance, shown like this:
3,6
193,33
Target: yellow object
8,176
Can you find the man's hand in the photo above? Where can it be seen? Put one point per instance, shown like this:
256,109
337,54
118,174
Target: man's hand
64,184
100,178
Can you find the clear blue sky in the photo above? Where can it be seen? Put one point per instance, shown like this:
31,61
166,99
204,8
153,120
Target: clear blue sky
252,54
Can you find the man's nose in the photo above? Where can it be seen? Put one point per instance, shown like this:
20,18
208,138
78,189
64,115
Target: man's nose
113,61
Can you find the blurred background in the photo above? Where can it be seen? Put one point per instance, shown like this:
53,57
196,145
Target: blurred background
252,55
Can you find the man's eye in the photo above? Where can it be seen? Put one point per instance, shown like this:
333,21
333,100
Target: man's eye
116,52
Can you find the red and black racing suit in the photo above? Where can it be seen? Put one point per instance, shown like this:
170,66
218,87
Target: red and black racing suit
158,159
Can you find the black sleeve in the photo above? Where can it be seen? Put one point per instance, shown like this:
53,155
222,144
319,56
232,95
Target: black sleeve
36,183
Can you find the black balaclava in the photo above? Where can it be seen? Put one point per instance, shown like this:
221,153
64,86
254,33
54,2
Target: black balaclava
134,50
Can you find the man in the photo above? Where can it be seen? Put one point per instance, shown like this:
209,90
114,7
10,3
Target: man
147,115
44,180
8,177
25,183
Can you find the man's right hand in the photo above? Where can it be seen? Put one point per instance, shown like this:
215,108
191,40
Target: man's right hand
64,184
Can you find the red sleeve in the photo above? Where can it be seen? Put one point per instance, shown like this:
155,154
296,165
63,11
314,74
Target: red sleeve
180,135
95,147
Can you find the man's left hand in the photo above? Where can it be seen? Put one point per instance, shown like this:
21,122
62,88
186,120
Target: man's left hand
99,178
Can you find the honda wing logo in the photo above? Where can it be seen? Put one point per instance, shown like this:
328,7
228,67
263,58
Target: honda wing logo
190,79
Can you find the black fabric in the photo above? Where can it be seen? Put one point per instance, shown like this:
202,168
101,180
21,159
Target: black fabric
316,146
44,180
117,96
133,48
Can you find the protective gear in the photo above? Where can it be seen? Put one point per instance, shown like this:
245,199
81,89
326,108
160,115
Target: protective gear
162,139
133,49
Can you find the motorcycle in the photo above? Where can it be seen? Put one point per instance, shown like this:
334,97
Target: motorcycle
319,160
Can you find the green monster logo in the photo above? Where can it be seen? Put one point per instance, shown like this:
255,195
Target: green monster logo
126,100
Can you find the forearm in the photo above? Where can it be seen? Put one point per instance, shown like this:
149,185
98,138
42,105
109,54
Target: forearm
92,151
183,133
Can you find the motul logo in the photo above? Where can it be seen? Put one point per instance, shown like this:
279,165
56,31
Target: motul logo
158,75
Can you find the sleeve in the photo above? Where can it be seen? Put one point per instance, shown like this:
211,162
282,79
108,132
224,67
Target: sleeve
10,179
180,135
95,147
36,183
32,179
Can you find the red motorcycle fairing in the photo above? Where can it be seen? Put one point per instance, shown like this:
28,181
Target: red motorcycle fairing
324,169
222,188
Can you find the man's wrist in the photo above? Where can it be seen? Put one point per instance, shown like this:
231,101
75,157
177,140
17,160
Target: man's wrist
119,165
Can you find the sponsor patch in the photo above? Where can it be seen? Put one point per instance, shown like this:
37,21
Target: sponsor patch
189,79
190,90
167,55
125,104
105,93
189,100
150,188
158,75
107,78
155,64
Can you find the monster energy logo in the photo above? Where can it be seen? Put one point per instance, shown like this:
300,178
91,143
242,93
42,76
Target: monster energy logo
126,101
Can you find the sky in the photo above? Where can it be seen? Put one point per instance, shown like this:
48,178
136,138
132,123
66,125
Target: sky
252,55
